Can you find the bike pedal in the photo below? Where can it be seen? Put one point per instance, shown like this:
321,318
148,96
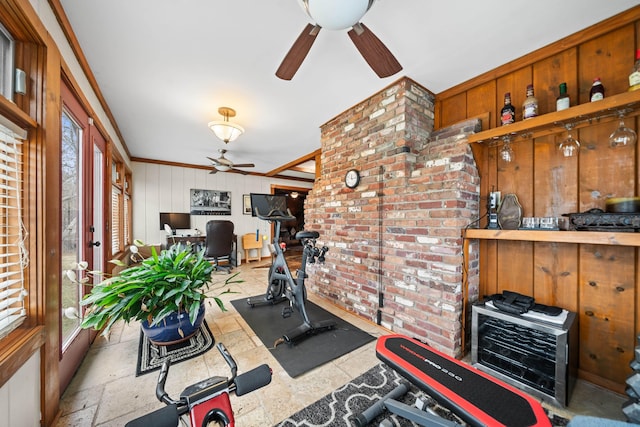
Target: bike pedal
286,312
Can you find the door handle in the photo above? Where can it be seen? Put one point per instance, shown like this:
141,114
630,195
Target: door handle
96,244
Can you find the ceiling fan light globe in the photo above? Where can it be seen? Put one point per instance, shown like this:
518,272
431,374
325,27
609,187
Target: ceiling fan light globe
336,14
223,168
226,131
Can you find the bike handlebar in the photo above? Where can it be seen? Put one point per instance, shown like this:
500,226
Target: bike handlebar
241,384
252,380
276,215
227,358
162,395
168,416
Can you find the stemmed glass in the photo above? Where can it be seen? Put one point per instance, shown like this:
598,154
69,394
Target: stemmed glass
570,146
506,152
623,135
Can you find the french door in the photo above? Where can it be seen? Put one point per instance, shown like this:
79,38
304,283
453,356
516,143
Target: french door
83,163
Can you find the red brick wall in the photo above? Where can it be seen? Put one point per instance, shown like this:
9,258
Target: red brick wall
418,190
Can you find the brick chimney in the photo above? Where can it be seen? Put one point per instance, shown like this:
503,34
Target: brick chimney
396,238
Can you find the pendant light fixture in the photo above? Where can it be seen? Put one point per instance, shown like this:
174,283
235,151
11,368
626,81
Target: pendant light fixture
224,129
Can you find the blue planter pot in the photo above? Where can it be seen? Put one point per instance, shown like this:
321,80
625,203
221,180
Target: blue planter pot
167,331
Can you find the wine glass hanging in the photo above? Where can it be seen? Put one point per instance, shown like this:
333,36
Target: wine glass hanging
506,152
570,146
623,135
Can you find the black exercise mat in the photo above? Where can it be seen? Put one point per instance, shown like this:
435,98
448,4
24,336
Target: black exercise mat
338,408
151,356
269,325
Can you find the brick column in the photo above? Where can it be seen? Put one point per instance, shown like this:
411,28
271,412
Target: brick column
399,231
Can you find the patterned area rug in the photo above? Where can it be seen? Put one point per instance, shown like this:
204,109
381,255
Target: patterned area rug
151,356
341,406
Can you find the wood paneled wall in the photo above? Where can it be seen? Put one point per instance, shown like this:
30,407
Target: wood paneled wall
598,282
605,50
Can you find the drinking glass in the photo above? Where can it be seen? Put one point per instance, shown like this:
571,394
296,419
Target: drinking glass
622,135
549,223
570,146
506,152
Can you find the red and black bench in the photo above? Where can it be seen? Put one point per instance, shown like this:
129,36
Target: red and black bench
477,398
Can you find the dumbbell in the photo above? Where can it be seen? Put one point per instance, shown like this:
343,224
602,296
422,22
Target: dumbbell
633,381
631,410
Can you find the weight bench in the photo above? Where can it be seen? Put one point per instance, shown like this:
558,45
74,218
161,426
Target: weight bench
474,396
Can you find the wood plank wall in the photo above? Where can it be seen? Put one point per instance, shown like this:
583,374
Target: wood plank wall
599,282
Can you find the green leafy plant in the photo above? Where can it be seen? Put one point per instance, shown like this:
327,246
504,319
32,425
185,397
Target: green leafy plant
177,279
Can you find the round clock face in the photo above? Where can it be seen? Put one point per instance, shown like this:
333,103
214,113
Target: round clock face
352,178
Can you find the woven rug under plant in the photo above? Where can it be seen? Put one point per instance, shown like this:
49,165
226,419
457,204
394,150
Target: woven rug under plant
151,356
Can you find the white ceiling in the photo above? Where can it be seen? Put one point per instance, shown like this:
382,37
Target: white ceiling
165,66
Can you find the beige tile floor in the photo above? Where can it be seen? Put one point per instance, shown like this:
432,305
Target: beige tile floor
105,391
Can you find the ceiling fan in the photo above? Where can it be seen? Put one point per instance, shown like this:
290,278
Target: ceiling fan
338,15
222,164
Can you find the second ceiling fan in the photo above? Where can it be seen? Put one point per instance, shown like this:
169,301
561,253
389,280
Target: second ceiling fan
338,15
222,164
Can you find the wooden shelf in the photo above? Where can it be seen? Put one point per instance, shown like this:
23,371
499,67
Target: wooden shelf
550,123
586,237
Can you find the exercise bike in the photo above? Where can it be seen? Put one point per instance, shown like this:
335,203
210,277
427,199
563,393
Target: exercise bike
206,402
281,284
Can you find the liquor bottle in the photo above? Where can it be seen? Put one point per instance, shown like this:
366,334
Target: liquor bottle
508,113
563,101
634,77
530,105
597,90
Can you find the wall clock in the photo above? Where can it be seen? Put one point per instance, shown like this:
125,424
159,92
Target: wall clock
352,178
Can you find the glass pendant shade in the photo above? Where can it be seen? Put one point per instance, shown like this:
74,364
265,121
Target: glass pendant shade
336,14
225,130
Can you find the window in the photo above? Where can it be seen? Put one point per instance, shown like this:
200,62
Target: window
6,63
121,208
116,225
13,254
127,211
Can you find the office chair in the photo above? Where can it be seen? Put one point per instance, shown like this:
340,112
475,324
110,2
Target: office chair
170,234
219,243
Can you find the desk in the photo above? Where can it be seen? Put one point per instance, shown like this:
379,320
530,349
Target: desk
198,242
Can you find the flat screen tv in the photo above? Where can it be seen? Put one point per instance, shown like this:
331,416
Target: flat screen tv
266,203
176,220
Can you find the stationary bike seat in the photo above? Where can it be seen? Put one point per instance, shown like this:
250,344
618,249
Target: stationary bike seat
307,235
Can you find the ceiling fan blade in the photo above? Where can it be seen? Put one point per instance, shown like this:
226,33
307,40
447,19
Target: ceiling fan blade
215,161
298,52
213,170
379,58
244,165
239,171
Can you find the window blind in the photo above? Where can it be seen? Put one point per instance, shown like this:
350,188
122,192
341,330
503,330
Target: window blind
13,252
116,241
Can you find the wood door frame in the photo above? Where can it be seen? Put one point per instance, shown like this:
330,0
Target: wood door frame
275,187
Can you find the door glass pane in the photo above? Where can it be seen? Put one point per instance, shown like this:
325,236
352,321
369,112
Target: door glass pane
98,219
71,224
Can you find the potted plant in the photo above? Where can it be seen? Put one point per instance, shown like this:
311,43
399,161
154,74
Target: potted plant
166,291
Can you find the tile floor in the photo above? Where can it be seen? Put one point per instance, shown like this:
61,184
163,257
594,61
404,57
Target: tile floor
105,391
